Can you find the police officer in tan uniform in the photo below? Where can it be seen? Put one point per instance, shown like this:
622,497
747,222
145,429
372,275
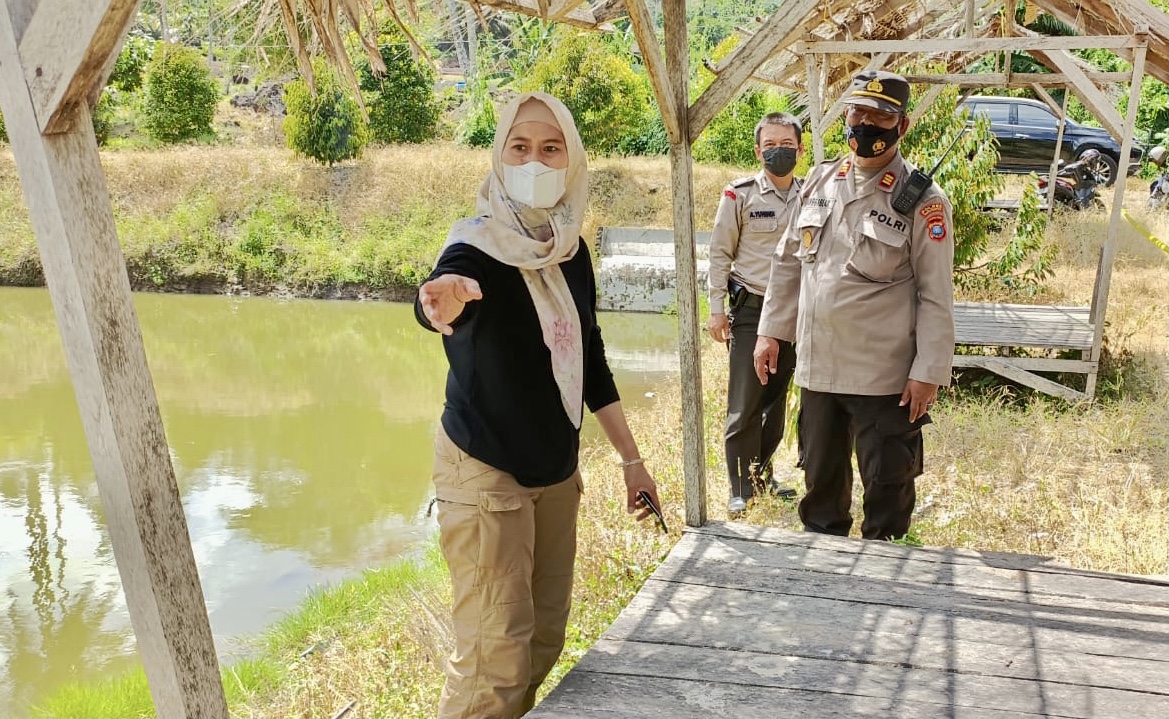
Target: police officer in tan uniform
866,292
751,218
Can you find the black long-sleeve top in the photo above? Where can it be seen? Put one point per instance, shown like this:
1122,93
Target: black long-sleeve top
503,406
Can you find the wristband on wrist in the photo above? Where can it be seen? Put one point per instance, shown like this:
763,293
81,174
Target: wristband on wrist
630,462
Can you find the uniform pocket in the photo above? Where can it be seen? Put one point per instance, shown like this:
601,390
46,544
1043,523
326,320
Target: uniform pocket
478,532
878,252
762,226
810,227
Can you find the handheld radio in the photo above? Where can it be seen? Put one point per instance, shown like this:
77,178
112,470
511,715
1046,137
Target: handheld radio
919,182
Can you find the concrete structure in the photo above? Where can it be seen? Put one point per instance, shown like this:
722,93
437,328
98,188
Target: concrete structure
636,271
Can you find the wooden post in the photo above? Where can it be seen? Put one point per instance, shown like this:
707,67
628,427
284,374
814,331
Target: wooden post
65,191
1108,254
1054,170
689,347
813,61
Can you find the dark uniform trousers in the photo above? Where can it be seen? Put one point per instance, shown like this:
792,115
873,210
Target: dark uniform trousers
889,454
755,412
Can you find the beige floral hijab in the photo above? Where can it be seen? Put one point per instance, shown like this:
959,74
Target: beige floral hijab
508,232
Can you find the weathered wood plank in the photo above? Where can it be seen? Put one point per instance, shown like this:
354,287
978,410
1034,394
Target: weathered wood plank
961,44
686,615
1004,367
1105,618
655,65
877,678
1095,100
776,33
922,566
584,694
1007,325
1031,364
69,205
66,52
677,51
827,553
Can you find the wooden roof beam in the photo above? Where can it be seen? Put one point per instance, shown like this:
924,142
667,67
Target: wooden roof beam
1016,79
655,65
1119,16
66,50
961,44
577,16
1079,82
748,57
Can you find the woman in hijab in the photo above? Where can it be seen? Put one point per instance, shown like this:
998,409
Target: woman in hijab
513,294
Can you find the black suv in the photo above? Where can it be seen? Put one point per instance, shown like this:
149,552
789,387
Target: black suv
1026,132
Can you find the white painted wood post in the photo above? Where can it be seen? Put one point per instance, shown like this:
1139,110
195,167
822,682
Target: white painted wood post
65,191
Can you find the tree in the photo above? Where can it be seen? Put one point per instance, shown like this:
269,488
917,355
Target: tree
597,85
180,95
326,125
401,102
968,176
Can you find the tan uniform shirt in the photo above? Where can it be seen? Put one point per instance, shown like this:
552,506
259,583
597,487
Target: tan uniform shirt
751,218
874,287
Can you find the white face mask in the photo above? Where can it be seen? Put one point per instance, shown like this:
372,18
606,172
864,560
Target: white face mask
534,184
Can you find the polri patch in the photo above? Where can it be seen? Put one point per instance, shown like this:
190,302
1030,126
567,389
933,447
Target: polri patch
844,167
730,193
933,208
887,181
937,227
756,214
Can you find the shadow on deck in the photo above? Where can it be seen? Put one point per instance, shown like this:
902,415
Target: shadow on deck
743,621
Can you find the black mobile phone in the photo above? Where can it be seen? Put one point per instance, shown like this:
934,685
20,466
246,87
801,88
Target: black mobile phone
644,496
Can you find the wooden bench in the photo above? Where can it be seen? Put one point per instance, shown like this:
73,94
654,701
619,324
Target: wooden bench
1010,327
636,273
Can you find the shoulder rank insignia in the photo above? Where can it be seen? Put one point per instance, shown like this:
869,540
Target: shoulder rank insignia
843,171
887,181
932,208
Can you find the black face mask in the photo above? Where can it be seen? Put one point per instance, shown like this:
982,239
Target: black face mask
779,161
870,140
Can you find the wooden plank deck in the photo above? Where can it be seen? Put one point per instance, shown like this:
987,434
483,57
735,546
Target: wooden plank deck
744,621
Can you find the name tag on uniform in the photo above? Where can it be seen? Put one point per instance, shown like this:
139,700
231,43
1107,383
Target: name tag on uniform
755,214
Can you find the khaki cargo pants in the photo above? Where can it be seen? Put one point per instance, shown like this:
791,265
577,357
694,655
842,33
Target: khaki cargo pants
511,551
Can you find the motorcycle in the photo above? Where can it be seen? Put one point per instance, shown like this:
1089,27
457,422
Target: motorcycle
1159,187
1076,183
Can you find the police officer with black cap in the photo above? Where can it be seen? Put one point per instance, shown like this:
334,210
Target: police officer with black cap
752,215
863,284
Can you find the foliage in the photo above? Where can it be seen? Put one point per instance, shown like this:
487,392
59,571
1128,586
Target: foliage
730,136
401,102
180,95
3,130
132,61
968,177
103,115
478,126
326,125
597,84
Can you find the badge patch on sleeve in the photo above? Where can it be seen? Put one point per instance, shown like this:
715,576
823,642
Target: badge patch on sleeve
933,208
730,193
937,227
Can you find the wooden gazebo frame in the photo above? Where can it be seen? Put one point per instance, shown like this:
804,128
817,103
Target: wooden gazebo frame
55,56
